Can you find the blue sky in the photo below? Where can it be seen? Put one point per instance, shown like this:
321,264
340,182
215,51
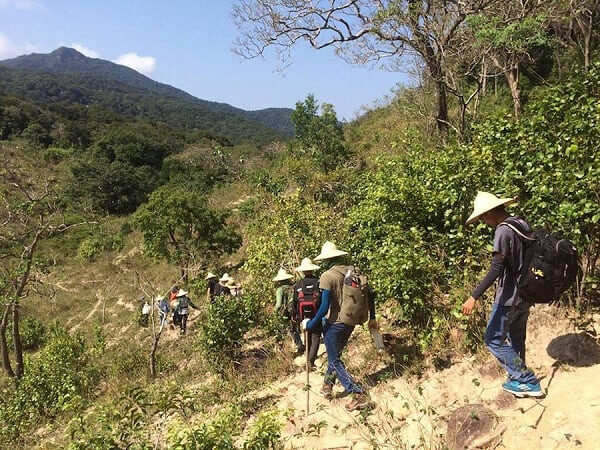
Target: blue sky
188,44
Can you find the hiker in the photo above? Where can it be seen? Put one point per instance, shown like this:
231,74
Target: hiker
211,289
163,310
145,313
507,326
173,303
183,308
335,283
234,288
307,299
284,306
222,288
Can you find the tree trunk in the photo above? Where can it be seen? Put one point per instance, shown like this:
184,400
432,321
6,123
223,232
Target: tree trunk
441,95
512,77
153,355
587,49
3,347
442,106
18,349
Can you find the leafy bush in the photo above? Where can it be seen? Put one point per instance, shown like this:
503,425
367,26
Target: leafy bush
265,433
59,377
222,331
218,433
92,246
56,154
33,333
123,424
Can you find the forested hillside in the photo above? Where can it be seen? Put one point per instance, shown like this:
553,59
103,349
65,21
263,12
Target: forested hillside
107,199
67,76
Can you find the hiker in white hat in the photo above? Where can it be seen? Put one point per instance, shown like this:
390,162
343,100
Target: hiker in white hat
307,299
507,326
222,288
234,288
211,286
183,308
340,324
284,305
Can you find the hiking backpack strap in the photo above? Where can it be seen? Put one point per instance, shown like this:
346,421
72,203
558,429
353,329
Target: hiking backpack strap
518,232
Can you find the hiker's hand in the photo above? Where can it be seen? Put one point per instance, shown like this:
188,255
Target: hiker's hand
468,306
373,324
305,324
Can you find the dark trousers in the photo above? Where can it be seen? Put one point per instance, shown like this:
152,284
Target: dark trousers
295,332
314,339
183,318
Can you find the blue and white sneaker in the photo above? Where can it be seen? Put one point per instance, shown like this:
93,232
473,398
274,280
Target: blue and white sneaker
523,390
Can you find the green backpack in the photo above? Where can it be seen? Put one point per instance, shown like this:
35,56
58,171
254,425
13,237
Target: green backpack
354,304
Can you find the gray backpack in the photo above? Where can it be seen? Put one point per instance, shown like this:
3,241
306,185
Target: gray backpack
354,304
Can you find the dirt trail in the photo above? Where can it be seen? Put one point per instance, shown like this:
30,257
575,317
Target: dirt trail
412,413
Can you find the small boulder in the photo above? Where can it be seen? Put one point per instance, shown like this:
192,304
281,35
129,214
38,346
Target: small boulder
471,425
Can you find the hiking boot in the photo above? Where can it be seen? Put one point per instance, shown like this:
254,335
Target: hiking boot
523,390
327,391
358,402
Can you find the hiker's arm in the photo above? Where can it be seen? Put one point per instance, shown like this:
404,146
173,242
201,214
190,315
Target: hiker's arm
279,299
325,301
496,268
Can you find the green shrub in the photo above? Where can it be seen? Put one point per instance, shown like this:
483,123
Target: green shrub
218,433
122,424
92,246
58,378
56,154
265,433
33,333
222,331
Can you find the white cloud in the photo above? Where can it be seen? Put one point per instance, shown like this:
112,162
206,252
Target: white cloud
85,50
143,64
27,5
10,49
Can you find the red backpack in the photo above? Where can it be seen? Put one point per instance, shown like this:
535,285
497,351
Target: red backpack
309,298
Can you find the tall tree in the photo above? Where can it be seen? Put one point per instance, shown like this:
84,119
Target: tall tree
509,35
32,213
577,22
178,225
362,32
319,136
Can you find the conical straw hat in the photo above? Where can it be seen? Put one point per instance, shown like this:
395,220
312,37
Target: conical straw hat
282,275
210,275
329,250
484,202
307,266
181,293
225,277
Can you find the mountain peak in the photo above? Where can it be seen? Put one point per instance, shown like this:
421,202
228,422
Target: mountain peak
67,52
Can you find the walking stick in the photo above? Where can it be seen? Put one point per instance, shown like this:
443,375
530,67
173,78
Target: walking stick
307,372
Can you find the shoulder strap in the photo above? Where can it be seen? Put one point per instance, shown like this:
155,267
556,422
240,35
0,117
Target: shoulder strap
517,231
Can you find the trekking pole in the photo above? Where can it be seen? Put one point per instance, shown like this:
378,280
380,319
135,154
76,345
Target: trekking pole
307,372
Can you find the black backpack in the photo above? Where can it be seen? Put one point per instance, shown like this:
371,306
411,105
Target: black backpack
309,298
550,264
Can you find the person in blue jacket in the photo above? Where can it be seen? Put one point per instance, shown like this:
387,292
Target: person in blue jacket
336,333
